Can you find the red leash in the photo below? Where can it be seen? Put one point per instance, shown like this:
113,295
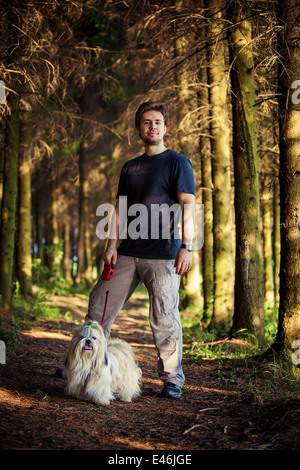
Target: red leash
107,274
105,305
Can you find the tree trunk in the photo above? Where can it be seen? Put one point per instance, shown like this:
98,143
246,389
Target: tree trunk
276,237
54,225
207,190
24,260
9,201
2,160
267,228
84,242
39,230
249,293
185,101
67,252
221,168
289,176
40,222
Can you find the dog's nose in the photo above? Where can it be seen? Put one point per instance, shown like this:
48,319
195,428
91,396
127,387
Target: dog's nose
88,341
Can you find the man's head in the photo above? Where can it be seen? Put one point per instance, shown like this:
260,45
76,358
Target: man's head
150,106
151,123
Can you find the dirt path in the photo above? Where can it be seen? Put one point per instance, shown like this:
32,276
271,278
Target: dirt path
218,409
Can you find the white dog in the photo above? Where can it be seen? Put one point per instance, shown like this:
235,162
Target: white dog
100,371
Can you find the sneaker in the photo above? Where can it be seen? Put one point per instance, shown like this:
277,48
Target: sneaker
171,391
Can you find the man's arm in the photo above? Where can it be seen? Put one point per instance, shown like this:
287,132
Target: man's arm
183,261
110,255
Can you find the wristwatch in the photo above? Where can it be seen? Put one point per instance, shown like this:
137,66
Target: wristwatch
187,246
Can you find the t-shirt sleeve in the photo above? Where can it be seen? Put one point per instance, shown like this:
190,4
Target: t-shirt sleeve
184,181
122,187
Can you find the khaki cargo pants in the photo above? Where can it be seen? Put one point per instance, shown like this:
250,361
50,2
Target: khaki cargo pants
162,283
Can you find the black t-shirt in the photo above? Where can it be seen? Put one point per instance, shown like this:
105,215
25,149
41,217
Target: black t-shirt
149,185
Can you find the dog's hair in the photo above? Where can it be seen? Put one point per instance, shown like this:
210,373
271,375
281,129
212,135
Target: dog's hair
98,370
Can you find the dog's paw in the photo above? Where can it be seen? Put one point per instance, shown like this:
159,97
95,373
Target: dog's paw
102,402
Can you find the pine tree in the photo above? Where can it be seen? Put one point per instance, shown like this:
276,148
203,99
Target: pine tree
249,293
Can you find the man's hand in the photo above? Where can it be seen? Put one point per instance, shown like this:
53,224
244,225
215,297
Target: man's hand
183,261
110,256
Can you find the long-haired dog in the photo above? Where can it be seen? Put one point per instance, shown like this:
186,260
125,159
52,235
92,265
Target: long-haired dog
98,370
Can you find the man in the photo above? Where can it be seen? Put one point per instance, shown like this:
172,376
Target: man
159,178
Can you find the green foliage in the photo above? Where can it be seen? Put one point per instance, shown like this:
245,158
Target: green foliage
205,343
271,322
182,296
28,312
35,309
65,151
11,337
40,272
63,287
41,395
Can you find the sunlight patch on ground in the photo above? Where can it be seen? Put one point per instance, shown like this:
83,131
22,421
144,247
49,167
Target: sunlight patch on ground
14,399
47,334
217,390
142,346
152,381
139,444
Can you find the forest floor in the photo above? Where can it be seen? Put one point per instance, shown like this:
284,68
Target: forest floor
221,407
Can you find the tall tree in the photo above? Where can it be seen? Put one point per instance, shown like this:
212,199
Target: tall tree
24,258
289,174
2,158
84,239
9,201
267,229
276,237
221,171
185,101
207,190
249,293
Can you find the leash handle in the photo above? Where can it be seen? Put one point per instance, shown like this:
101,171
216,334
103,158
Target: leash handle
108,272
105,305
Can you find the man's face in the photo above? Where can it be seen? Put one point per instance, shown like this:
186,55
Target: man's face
152,127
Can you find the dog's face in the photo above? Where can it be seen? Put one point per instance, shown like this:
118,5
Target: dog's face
88,337
88,341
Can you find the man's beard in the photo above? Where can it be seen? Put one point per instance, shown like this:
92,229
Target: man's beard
152,140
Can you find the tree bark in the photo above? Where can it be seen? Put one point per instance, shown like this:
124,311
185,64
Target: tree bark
267,228
276,237
221,169
84,238
67,252
2,159
207,191
54,249
9,202
24,259
289,176
185,100
249,292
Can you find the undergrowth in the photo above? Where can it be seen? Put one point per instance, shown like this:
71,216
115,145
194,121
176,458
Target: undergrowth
25,313
204,342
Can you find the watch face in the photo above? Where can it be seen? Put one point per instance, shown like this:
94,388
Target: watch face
187,246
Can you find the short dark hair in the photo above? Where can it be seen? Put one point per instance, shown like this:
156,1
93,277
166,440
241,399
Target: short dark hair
151,106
